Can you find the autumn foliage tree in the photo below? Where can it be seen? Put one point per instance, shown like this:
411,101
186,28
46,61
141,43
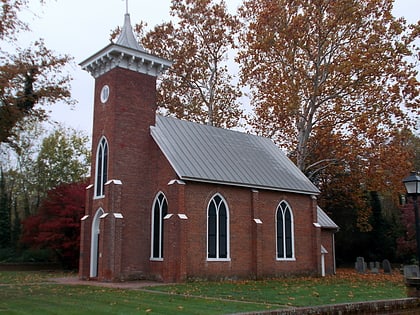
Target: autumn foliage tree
407,241
198,86
328,72
334,83
37,162
57,224
28,76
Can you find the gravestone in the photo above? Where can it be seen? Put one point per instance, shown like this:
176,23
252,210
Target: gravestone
411,271
374,267
386,265
360,265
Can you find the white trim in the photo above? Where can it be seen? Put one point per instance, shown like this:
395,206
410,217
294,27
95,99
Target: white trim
176,181
95,232
168,216
160,226
84,217
218,259
258,221
317,225
182,216
118,215
114,181
104,93
217,230
323,252
285,259
98,147
115,55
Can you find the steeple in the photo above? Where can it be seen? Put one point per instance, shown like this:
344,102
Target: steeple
127,37
125,53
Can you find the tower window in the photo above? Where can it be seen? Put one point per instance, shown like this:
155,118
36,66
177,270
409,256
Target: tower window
101,167
159,211
104,94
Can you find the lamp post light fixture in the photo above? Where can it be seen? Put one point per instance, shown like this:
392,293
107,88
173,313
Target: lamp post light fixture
412,185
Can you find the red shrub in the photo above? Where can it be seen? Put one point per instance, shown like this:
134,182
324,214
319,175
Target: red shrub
57,224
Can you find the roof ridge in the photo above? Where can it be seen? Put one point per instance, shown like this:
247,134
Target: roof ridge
215,127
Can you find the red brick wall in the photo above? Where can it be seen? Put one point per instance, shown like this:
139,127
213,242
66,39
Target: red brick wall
242,226
135,159
125,120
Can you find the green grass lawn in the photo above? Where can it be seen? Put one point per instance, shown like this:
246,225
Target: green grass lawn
32,293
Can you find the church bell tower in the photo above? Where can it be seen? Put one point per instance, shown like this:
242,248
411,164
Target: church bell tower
124,109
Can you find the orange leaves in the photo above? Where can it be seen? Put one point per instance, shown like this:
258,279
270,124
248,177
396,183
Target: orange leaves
351,276
331,82
198,86
30,77
325,53
363,218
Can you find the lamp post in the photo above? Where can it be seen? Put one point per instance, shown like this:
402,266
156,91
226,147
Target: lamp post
412,185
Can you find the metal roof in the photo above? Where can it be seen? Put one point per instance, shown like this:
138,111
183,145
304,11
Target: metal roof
127,37
325,221
208,154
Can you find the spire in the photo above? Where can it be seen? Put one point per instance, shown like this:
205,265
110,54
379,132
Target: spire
127,37
126,53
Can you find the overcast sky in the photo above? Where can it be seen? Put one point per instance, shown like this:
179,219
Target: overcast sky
81,28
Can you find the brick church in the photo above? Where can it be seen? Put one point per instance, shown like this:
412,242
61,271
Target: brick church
172,200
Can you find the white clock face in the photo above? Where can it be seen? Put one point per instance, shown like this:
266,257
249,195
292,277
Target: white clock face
104,93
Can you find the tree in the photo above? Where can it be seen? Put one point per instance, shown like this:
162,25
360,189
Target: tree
19,165
329,72
334,83
63,158
10,24
5,214
198,86
416,145
28,77
406,243
57,224
37,163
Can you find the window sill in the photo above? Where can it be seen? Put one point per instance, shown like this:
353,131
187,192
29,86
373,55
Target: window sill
218,259
286,259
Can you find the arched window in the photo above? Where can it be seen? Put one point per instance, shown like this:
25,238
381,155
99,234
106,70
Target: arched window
159,211
217,229
101,167
285,231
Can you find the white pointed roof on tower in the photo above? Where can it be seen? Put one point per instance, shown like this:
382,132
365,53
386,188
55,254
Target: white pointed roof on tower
127,37
125,53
